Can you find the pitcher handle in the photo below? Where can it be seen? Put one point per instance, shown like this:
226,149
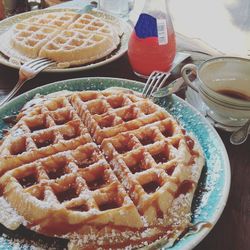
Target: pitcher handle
185,72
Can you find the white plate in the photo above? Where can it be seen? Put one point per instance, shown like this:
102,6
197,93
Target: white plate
124,26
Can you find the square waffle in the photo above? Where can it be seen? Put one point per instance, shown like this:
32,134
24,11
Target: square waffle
104,169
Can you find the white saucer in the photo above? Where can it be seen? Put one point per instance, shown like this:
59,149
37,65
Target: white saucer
224,123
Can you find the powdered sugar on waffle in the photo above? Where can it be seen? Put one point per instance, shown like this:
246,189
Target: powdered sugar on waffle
9,217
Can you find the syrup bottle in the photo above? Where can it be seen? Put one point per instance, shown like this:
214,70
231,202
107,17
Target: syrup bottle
152,45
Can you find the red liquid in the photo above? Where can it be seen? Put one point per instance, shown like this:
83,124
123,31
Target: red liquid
1,10
146,55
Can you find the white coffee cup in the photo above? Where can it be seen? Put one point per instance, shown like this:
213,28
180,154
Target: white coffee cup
224,85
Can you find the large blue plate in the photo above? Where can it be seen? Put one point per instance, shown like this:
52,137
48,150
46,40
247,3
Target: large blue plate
213,189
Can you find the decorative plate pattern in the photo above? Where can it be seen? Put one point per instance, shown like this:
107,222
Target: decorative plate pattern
211,195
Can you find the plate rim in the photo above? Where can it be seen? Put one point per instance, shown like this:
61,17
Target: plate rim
227,169
125,27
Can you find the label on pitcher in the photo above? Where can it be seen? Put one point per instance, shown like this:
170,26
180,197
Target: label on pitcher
149,26
162,31
146,26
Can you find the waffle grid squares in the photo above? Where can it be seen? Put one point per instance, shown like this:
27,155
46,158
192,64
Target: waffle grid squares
87,23
55,20
47,130
30,38
106,121
49,127
68,181
144,160
69,40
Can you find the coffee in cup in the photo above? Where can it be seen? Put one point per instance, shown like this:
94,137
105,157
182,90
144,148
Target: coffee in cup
224,85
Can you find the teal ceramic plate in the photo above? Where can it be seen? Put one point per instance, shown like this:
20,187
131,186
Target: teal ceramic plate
213,188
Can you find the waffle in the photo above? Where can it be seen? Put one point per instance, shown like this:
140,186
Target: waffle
59,20
89,23
68,48
104,169
66,37
50,128
29,38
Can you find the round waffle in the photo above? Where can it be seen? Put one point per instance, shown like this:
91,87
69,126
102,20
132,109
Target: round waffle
104,169
68,38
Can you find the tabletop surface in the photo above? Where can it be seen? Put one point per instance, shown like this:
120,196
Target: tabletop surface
233,228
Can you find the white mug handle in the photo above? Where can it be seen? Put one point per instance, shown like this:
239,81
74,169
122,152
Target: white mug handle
185,72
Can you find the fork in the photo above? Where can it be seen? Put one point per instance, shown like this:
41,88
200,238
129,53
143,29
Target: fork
158,78
26,72
155,82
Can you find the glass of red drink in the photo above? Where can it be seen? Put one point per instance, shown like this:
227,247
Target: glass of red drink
152,45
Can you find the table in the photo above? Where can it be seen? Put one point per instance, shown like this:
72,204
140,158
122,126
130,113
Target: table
233,228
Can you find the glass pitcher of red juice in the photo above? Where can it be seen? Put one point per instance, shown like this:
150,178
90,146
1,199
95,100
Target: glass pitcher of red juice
152,44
